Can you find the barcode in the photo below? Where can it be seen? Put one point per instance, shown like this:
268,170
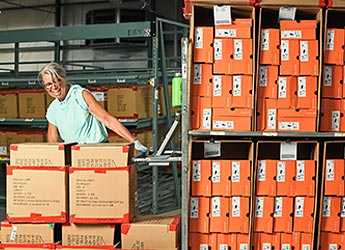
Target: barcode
211,153
287,156
222,21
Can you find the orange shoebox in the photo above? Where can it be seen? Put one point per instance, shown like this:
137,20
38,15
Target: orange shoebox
202,80
332,83
287,86
269,49
223,49
265,241
268,82
239,28
286,174
296,120
302,241
222,85
231,119
331,241
263,219
342,116
267,114
201,178
334,177
330,220
286,241
304,214
241,91
283,211
266,178
203,41
305,178
220,180
342,215
307,92
239,214
289,57
330,115
198,241
334,50
199,220
219,215
201,113
301,29
309,58
240,178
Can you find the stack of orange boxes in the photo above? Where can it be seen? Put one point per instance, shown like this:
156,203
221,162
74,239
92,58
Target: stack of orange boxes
333,208
288,77
284,204
222,78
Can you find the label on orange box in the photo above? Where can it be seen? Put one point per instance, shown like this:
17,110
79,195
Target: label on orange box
269,53
201,172
334,177
334,53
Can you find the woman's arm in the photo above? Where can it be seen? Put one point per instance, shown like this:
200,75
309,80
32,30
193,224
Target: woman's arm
52,133
102,115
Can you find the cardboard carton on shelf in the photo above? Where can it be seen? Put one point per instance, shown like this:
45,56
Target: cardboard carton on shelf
26,246
8,104
32,103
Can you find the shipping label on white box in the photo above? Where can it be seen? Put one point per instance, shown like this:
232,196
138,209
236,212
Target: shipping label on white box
218,49
300,171
328,76
342,207
196,171
197,73
265,40
285,55
223,124
299,208
335,120
263,76
291,34
217,85
304,51
259,208
235,171
330,40
216,207
199,37
227,33
236,206
237,86
289,126
216,171
281,171
282,92
326,207
330,170
261,171
271,118
222,14
206,118
194,207
238,49
302,86
278,207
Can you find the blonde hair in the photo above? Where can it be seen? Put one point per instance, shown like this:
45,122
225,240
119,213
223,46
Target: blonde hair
54,69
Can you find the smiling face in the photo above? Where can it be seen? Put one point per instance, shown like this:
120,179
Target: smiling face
56,88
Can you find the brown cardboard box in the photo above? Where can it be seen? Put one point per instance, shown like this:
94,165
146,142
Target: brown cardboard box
32,104
9,105
36,194
335,3
31,136
130,102
40,154
145,137
4,150
101,96
102,155
9,138
84,247
87,235
27,246
102,195
151,233
26,233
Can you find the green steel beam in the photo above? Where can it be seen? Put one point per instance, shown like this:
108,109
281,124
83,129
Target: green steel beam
80,32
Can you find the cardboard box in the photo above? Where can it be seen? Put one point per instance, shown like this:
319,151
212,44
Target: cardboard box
31,104
36,194
289,55
101,96
198,241
332,82
283,214
87,235
239,28
199,216
334,177
330,220
267,114
268,82
239,214
270,49
241,91
202,80
223,50
27,246
298,29
296,120
219,216
84,247
222,89
305,178
342,215
102,155
286,241
266,175
202,171
8,104
201,113
151,233
234,2
130,102
264,209
91,203
287,86
334,47
309,57
41,154
220,180
335,3
331,241
31,136
232,119
315,3
6,138
203,41
302,240
307,94
304,214
26,233
330,117
241,177
264,241
286,174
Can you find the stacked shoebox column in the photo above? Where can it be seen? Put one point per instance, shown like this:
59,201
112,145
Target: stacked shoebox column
285,195
222,68
332,226
288,75
220,203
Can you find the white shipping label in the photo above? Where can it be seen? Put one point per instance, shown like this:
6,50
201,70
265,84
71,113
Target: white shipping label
243,246
342,207
206,119
282,92
203,247
335,120
197,73
278,206
259,208
326,207
261,171
228,33
13,233
217,85
263,76
305,246
194,207
222,14
287,13
285,246
297,34
299,209
302,86
304,51
300,171
271,118
215,206
223,247
218,48
266,246
289,126
330,170
216,171
285,56
330,40
236,206
223,124
3,150
237,86
288,150
199,33
235,171
328,76
281,171
100,96
333,246
196,171
265,40
238,49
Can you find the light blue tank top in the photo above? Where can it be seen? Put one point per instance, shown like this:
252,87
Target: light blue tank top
73,119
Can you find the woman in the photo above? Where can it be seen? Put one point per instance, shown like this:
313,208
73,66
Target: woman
75,114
